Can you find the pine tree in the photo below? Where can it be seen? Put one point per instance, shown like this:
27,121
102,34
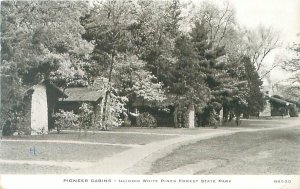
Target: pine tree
255,98
186,81
212,64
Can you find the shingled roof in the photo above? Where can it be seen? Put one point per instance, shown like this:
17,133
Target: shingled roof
48,84
279,101
82,94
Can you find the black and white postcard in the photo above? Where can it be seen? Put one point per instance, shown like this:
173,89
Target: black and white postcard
150,94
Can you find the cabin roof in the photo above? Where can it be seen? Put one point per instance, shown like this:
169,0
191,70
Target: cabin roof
55,88
82,94
279,101
49,85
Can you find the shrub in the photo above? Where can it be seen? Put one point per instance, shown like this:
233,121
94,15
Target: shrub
127,122
282,111
86,112
146,120
208,117
116,110
7,129
65,119
293,111
15,125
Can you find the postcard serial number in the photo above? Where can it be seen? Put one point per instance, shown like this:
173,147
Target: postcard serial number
282,181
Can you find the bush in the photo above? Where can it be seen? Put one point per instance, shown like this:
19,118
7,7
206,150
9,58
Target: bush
282,111
293,111
208,117
65,119
86,112
146,120
127,122
16,123
7,129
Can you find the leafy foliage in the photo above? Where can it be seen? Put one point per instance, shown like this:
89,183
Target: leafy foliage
7,129
41,40
66,119
162,52
135,81
146,120
85,116
37,34
116,110
292,66
293,110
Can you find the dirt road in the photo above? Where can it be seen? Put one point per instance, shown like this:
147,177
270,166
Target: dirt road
160,157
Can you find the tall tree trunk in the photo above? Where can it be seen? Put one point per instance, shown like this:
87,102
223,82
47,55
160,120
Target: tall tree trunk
104,126
237,120
176,116
101,114
225,114
107,94
191,116
63,97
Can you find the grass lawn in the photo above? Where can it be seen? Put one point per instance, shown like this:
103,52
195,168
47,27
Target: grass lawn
45,152
264,152
103,137
64,152
55,151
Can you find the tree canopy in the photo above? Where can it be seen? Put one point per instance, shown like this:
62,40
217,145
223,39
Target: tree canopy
150,50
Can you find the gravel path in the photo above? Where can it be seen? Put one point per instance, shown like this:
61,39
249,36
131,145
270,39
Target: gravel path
122,162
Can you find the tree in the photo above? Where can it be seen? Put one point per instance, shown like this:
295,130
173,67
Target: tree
220,46
292,66
41,40
37,35
215,65
218,20
186,81
260,42
136,82
153,33
106,27
255,98
238,43
122,36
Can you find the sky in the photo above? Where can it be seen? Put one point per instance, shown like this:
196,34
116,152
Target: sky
282,15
